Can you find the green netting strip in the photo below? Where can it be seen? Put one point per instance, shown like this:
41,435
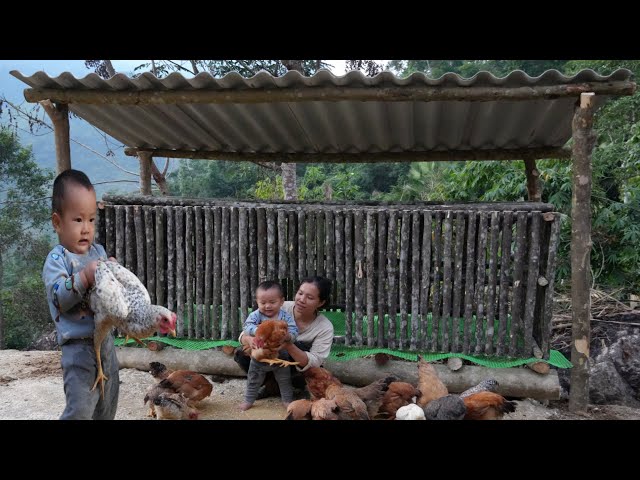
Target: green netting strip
343,353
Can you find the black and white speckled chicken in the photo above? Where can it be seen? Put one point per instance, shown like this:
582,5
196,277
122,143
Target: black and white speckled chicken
118,299
488,385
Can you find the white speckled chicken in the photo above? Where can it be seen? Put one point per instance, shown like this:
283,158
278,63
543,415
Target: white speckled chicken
118,299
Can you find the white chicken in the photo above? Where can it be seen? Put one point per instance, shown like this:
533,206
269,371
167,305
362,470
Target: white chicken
410,412
118,299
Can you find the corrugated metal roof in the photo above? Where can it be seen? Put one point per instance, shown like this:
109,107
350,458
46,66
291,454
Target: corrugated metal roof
330,126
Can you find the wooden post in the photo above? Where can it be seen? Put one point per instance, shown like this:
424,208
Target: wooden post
145,172
583,142
59,115
533,180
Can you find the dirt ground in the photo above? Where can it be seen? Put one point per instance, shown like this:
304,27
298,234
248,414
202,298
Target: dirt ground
31,389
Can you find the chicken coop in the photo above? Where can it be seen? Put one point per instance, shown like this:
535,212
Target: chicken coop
473,278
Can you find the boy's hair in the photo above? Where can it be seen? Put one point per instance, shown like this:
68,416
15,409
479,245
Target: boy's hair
268,284
60,185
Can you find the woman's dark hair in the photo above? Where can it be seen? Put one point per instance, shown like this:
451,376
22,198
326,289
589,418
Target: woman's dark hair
60,185
322,284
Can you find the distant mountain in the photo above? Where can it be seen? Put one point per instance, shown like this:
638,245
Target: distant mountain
97,168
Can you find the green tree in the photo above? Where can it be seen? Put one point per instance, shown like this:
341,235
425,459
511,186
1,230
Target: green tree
23,202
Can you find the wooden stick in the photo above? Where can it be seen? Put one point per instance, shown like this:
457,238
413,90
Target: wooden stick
415,280
199,270
234,279
458,286
425,280
417,93
491,290
180,268
505,274
218,284
272,271
532,279
392,269
151,251
469,284
583,141
208,269
189,270
382,277
243,268
518,283
447,260
161,271
130,241
261,217
349,274
437,287
311,244
171,258
320,242
371,277
253,255
480,280
138,220
283,257
225,331
120,233
359,240
292,247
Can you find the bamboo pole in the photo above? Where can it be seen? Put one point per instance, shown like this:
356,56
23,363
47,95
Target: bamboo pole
583,141
437,286
447,260
302,245
480,280
457,281
171,257
262,244
348,274
120,233
243,261
425,280
382,277
100,224
415,280
469,283
272,271
209,242
359,271
253,255
292,247
552,246
224,277
130,241
505,275
532,280
138,220
180,268
160,256
493,280
283,257
199,270
330,247
189,279
234,274
218,284
371,277
311,244
392,269
320,243
151,251
518,283
403,288
339,299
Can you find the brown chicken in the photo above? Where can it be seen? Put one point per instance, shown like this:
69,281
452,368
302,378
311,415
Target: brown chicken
269,338
429,384
373,393
398,395
487,406
192,385
174,406
299,410
324,409
322,384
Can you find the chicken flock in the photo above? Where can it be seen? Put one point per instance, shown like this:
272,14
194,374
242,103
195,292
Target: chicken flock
390,399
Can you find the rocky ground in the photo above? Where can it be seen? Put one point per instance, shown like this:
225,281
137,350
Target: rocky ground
31,389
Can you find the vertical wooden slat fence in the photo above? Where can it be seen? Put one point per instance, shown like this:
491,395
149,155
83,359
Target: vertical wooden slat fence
475,278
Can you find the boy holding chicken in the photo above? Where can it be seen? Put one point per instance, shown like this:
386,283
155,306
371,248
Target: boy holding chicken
270,298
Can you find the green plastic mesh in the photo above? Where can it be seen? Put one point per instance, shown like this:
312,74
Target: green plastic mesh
343,353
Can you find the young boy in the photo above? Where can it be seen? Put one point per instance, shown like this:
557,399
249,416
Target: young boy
270,298
68,274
